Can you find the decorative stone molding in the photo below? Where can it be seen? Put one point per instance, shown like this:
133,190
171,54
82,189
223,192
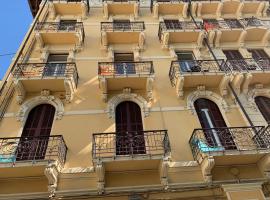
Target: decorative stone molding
224,84
165,40
149,88
39,40
180,86
155,10
51,173
258,90
207,165
136,9
20,91
127,96
84,9
44,98
100,170
237,82
141,40
202,93
163,173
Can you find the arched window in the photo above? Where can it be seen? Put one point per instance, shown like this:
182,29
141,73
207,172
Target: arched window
36,132
263,104
129,129
213,124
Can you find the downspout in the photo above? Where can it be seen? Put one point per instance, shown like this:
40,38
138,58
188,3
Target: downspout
214,56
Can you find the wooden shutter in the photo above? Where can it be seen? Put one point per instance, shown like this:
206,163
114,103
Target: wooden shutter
36,132
263,104
129,129
219,125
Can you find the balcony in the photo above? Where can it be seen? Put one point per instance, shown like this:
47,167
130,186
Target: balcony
120,75
122,33
144,149
55,77
169,7
257,31
231,9
229,146
185,33
254,8
121,7
22,157
255,70
69,7
60,33
208,9
222,33
193,73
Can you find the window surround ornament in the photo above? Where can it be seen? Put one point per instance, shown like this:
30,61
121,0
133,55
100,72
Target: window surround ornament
258,90
127,96
202,93
45,97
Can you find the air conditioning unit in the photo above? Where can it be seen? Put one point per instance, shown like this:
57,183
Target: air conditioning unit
135,197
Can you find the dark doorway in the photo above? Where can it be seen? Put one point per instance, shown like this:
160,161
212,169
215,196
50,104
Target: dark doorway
124,63
36,132
215,128
129,129
56,65
263,104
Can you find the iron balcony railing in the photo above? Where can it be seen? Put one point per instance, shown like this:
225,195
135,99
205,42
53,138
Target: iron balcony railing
141,68
222,24
194,67
249,64
61,27
218,141
178,26
32,149
122,26
46,70
130,143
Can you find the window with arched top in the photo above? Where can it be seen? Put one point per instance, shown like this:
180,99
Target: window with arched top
263,104
214,127
36,132
129,129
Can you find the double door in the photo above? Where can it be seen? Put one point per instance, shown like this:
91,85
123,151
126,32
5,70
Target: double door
129,129
56,65
35,136
124,63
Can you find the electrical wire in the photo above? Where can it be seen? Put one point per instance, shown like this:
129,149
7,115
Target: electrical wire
7,54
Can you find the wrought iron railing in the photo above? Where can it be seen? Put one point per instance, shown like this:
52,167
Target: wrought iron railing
216,141
141,68
249,64
111,145
46,70
32,149
61,27
255,22
122,26
222,24
195,66
179,26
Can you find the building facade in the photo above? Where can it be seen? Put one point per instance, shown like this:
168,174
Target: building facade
122,99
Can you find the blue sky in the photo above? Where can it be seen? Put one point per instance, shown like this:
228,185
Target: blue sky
16,19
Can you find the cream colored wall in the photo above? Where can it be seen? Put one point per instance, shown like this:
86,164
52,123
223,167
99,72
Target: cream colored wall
86,114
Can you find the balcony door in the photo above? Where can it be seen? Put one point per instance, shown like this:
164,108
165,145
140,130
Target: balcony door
36,132
56,65
124,63
235,60
187,61
213,124
129,129
263,104
261,58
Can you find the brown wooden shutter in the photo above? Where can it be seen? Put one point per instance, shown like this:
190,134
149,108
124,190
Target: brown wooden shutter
263,104
36,132
129,129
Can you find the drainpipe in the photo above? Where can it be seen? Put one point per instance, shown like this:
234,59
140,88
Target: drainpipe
214,56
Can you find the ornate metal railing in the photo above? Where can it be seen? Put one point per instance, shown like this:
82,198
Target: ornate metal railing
46,70
61,27
215,141
255,22
195,66
125,68
249,64
31,149
179,26
111,145
222,24
122,26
